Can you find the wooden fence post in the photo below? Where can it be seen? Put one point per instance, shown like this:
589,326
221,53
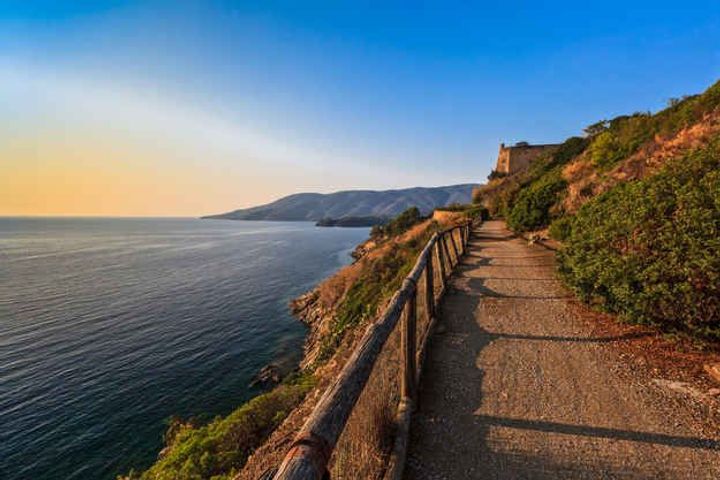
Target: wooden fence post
441,262
429,290
454,247
408,339
447,254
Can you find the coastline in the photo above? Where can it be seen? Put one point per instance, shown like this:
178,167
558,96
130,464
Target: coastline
254,437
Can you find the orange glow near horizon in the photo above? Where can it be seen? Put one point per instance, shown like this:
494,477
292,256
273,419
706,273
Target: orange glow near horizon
59,178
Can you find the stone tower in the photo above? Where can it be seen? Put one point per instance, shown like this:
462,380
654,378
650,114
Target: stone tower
519,156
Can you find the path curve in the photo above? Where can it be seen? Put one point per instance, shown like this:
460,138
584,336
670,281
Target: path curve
516,386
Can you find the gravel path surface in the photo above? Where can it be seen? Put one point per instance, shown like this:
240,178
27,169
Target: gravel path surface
516,385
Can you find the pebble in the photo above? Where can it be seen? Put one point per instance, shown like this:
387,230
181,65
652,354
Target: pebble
713,392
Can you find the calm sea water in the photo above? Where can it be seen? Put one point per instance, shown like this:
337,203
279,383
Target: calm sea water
110,326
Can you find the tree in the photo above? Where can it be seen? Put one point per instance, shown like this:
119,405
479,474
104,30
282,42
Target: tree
596,128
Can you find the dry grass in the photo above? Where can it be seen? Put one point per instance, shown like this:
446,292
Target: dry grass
367,439
335,287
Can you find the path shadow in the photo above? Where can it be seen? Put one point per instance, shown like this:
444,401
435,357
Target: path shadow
465,265
600,432
551,338
494,238
528,279
478,285
485,261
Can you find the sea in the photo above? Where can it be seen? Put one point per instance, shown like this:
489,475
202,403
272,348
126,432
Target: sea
111,326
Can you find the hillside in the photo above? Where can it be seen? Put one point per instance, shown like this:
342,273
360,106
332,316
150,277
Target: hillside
353,203
635,204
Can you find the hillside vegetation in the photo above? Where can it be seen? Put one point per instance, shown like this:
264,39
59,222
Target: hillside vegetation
636,206
220,448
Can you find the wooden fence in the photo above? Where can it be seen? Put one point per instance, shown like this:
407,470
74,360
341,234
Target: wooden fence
312,449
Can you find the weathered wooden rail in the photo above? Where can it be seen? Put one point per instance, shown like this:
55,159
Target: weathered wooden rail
311,451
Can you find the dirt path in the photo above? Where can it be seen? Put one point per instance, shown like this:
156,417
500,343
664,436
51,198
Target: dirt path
517,386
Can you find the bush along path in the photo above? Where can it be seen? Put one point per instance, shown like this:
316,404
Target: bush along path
519,385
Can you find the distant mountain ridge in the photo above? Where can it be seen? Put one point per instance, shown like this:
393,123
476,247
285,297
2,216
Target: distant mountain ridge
353,203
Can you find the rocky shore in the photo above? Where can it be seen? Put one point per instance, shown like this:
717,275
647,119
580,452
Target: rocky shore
310,311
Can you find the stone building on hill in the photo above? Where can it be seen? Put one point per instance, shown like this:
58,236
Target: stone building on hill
519,156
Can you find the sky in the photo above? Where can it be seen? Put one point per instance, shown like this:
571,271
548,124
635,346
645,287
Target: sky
187,108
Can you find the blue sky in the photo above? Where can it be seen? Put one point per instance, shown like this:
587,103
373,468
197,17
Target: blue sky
227,104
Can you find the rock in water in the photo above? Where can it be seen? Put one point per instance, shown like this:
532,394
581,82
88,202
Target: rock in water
268,375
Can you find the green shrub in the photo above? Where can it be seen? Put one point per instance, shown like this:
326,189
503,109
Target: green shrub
220,448
484,214
622,138
605,149
495,174
532,208
568,150
561,228
398,225
596,128
477,211
649,250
